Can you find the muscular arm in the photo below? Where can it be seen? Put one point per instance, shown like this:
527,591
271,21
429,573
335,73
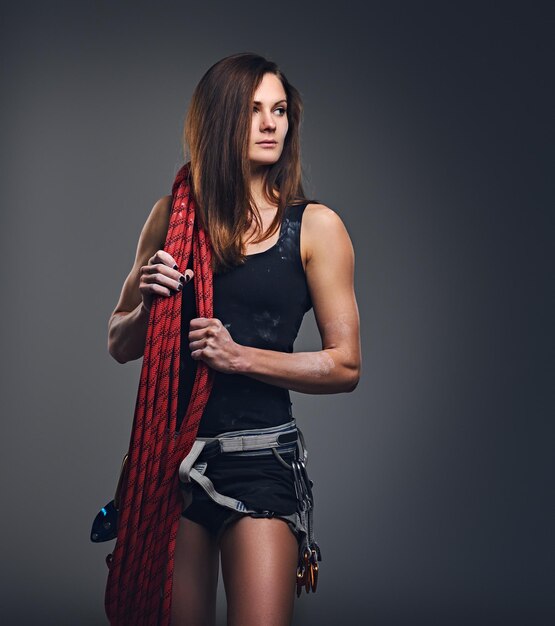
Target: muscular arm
128,322
330,277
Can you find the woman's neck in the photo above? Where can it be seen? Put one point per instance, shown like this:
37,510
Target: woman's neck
257,192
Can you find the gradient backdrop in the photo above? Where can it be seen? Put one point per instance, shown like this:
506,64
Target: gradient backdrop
427,129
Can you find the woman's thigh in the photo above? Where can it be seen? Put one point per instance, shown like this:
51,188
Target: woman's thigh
259,563
195,576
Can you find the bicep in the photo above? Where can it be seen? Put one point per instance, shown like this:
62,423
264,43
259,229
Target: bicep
330,277
151,239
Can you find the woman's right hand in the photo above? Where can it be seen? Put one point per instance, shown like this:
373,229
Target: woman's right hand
161,277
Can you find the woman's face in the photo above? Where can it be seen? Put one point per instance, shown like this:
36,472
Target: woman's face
269,122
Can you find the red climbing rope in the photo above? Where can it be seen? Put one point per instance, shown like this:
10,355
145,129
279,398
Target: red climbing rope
139,586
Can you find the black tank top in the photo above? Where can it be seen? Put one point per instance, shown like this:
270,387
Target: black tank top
262,304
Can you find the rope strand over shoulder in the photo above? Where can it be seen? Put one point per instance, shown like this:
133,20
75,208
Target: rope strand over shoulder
139,586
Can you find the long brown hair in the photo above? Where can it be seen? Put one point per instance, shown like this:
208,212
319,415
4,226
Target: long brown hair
217,131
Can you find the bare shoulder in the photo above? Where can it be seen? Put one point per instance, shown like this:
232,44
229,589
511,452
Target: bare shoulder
321,216
151,239
322,230
153,235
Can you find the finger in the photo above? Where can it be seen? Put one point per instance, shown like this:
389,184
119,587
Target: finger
195,335
200,322
156,290
199,344
159,278
159,272
164,262
161,256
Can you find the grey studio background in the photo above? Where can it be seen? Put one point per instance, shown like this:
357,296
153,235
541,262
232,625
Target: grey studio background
426,129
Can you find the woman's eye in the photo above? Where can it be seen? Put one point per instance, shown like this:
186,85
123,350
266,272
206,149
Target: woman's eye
282,109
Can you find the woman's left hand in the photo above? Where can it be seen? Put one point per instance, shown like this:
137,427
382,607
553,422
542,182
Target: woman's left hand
210,341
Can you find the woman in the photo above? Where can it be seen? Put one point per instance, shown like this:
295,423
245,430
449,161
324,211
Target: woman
275,255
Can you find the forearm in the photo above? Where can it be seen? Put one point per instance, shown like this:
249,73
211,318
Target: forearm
325,371
127,334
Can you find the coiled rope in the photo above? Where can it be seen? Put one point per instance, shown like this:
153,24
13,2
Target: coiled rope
139,585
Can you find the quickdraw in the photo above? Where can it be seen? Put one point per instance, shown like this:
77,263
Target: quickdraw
310,554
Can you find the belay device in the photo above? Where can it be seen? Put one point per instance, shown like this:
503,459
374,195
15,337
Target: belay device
105,525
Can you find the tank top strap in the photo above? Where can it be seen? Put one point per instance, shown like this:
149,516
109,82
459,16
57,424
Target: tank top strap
294,213
289,243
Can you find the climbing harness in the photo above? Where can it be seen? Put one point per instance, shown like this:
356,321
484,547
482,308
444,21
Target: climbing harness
276,440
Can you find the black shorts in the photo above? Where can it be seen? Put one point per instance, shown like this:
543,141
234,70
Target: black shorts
261,482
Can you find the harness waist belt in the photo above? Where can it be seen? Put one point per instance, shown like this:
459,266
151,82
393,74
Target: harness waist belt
258,441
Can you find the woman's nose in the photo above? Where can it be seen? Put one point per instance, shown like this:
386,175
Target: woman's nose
267,121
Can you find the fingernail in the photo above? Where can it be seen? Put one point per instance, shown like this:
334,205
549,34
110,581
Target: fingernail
175,266
182,279
179,287
187,278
